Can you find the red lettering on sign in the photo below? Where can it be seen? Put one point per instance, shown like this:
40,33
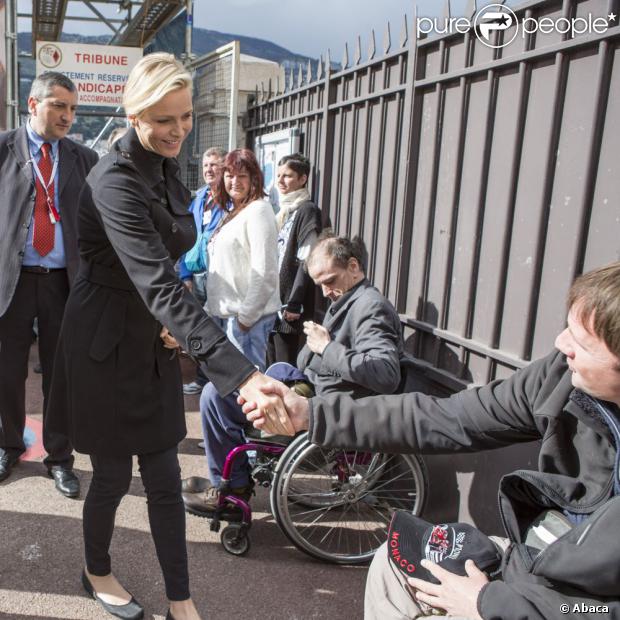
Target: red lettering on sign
101,59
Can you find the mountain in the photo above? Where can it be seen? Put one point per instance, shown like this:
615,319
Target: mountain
170,39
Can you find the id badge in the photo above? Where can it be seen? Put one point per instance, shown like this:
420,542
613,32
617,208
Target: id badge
53,212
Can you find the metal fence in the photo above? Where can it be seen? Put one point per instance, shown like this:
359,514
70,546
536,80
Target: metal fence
482,179
215,99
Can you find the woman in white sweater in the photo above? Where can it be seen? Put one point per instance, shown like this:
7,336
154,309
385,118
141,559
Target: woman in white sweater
243,296
242,286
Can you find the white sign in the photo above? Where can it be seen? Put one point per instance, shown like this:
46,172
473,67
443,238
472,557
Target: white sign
269,149
98,71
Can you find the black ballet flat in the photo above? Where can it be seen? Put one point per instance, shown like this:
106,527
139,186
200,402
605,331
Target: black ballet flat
130,611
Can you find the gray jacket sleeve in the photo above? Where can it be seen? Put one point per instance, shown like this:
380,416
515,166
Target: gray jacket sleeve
125,215
374,362
492,416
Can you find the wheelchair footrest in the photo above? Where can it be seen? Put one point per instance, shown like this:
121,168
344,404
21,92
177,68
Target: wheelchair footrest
229,514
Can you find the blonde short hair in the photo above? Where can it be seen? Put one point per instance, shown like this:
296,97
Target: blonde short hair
151,79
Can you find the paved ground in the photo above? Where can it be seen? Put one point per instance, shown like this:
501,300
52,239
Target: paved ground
41,553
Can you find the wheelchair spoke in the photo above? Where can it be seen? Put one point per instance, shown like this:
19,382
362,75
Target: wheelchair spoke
336,505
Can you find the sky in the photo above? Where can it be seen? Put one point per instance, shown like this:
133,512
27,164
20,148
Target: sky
300,26
308,28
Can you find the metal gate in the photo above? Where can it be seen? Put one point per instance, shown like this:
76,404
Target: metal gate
482,179
216,81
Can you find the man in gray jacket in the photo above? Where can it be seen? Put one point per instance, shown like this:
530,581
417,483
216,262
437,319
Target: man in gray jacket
571,401
41,175
357,350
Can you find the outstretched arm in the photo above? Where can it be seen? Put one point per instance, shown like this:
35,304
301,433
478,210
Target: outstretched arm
297,408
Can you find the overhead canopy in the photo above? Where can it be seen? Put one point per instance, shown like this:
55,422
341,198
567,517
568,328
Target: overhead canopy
141,22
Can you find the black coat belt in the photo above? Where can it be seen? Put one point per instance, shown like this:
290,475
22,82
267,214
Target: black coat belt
106,276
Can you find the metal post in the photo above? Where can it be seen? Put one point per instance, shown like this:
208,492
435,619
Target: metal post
234,97
12,75
189,25
326,147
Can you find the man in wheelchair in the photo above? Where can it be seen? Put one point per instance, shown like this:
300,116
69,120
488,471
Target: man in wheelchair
357,351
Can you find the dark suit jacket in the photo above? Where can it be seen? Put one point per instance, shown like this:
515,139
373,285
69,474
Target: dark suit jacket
364,355
116,389
17,194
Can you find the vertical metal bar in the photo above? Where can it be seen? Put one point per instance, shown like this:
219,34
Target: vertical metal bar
441,96
521,114
367,133
234,96
380,160
560,92
411,132
460,149
481,207
352,169
189,27
12,74
326,149
392,206
605,54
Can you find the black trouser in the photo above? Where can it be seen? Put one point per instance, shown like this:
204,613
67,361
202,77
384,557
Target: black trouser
284,347
40,295
161,476
199,290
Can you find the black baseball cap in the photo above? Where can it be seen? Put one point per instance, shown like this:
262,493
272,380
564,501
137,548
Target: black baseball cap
411,540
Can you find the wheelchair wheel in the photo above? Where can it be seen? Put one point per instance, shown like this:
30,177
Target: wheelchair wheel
336,505
235,540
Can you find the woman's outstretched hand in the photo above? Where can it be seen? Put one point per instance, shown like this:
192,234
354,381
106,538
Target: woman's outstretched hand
297,408
268,402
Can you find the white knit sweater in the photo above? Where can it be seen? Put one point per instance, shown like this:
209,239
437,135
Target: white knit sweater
243,266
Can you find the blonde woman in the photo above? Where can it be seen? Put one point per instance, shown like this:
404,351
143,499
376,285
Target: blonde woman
117,387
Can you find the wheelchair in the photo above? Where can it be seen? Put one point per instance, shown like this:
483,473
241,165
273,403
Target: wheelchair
334,505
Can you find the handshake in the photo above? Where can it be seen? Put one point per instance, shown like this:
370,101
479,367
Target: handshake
273,407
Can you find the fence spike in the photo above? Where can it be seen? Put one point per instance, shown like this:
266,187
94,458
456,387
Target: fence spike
278,92
328,62
291,78
282,89
387,39
262,91
345,57
404,33
358,50
372,46
270,92
309,72
300,76
319,68
471,9
446,9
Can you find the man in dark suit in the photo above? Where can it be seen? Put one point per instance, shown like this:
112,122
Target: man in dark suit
41,175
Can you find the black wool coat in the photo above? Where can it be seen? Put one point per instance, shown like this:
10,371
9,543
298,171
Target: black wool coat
116,389
297,290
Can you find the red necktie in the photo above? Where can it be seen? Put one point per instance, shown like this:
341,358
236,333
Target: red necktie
43,234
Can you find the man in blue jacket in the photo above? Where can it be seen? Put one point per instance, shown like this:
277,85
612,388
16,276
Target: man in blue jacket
193,267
